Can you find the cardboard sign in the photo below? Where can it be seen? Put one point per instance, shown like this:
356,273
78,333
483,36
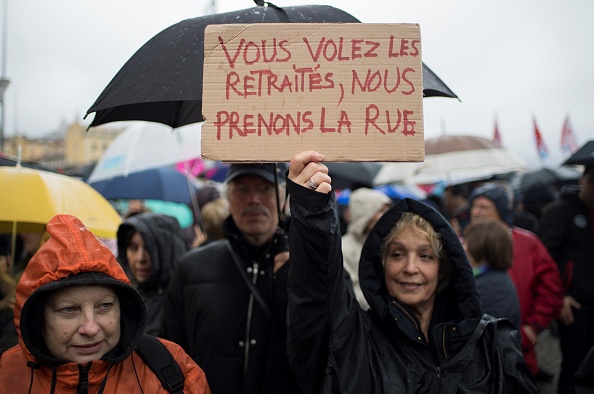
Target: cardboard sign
353,92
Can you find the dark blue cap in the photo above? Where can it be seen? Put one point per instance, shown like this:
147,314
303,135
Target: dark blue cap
264,170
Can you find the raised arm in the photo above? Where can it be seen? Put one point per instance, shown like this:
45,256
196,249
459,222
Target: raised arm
321,308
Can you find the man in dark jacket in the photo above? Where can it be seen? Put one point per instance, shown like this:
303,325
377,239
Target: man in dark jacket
226,304
567,230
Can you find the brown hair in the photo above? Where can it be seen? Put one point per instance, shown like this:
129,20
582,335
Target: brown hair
7,290
488,241
420,224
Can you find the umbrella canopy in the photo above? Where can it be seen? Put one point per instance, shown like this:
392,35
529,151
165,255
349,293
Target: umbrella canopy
556,177
398,192
30,198
455,159
162,183
396,172
395,192
350,175
215,171
583,156
147,145
192,167
162,81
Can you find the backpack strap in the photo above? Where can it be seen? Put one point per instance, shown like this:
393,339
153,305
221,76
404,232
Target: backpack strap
162,363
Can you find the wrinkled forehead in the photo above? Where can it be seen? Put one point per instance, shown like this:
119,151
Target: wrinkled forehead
483,201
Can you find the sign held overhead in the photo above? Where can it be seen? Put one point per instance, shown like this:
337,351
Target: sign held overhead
353,92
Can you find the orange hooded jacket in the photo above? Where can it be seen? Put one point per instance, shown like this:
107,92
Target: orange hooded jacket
73,256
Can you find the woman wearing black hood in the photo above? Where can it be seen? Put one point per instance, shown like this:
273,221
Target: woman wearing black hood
425,331
149,245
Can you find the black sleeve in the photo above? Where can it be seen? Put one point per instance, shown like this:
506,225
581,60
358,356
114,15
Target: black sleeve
173,322
8,334
324,321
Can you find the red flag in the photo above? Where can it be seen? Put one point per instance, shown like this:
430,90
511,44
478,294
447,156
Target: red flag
543,152
496,135
568,143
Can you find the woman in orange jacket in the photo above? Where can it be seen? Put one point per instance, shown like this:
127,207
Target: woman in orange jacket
79,322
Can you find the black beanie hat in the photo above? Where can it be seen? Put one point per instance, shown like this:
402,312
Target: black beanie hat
498,194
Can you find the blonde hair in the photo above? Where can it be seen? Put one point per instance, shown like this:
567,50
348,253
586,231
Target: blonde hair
213,215
422,225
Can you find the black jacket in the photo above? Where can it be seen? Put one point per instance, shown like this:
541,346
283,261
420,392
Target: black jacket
210,312
164,240
567,230
336,347
8,334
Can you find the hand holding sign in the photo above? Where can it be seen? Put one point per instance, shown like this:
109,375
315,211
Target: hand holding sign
352,91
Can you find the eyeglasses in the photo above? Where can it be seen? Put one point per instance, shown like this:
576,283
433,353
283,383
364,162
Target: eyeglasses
264,190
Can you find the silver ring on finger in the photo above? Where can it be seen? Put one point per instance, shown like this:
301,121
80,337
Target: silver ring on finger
313,185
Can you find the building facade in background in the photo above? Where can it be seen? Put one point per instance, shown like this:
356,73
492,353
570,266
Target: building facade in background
66,149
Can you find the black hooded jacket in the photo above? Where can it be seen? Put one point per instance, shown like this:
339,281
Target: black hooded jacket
336,347
164,240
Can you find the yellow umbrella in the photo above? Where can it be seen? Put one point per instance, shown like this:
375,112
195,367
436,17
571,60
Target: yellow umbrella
30,198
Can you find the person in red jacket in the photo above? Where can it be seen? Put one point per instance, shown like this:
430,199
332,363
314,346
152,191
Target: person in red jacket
79,322
534,272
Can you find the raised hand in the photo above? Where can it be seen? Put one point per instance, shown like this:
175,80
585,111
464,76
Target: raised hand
306,170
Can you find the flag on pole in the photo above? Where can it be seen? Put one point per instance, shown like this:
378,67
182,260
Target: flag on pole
543,152
568,142
496,135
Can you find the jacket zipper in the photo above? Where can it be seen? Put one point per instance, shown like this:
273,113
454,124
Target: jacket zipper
83,385
248,327
437,369
443,342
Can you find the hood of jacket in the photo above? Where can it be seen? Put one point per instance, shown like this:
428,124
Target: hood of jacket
364,204
164,241
73,256
461,290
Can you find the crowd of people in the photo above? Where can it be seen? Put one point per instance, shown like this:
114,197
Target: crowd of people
403,296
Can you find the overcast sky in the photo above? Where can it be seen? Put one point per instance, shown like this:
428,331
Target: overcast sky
508,60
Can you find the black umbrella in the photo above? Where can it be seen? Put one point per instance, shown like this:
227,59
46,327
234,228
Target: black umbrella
351,175
547,176
583,156
162,81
